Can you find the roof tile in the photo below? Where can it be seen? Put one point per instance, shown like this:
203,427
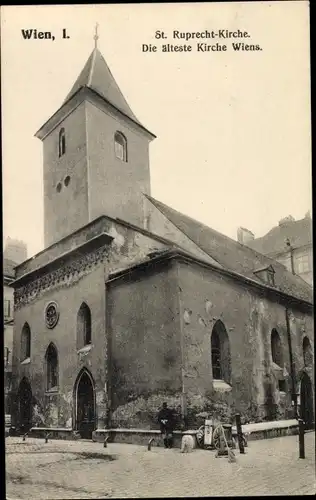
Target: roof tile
97,76
233,255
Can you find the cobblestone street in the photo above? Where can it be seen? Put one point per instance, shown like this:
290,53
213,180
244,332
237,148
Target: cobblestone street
66,469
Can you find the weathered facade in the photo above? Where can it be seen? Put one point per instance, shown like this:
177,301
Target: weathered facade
132,303
15,252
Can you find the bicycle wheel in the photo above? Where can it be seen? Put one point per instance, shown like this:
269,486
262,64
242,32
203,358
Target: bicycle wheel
200,436
216,437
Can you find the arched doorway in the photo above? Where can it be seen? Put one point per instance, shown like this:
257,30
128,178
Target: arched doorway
307,411
85,404
25,405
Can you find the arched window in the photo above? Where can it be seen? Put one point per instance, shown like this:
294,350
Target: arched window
51,359
62,142
83,326
120,146
25,342
220,349
307,352
276,348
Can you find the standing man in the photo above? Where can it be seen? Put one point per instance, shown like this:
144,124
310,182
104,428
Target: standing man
167,423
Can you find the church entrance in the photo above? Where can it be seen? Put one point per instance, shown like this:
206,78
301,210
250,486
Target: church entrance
307,412
25,406
85,417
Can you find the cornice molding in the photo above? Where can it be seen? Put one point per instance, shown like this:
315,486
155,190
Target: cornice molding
66,275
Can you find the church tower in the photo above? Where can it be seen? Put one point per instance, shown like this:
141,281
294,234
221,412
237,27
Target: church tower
96,155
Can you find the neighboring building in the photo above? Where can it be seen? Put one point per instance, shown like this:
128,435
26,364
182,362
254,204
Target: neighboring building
290,243
15,250
132,303
14,253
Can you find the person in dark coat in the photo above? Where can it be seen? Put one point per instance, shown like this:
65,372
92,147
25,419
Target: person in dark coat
167,423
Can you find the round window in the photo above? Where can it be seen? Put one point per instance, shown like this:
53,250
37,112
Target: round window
51,315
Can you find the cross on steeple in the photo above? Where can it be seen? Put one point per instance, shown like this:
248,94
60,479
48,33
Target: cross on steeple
96,36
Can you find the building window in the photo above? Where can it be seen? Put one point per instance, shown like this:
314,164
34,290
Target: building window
307,352
266,274
270,277
51,359
220,351
83,326
7,308
120,146
302,263
67,180
25,342
216,356
7,353
61,142
276,348
282,385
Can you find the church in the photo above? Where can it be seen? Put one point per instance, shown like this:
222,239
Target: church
132,304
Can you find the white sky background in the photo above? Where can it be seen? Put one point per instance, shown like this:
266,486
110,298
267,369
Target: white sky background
233,128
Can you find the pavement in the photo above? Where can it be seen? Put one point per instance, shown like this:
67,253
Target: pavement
266,426
83,469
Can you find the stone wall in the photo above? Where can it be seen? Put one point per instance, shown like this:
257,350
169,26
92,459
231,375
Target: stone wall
56,409
116,186
151,337
75,279
249,318
145,346
66,210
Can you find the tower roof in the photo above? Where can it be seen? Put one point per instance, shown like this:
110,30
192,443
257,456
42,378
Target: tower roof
97,76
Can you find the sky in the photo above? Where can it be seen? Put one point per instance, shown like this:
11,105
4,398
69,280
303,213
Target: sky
233,128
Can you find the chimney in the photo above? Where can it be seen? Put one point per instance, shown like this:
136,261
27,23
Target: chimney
308,215
286,220
244,235
15,250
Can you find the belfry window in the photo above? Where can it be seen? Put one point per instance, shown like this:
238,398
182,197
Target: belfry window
120,146
25,342
51,359
62,142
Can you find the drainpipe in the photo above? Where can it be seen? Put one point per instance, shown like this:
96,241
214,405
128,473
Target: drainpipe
288,243
292,365
108,364
293,376
184,396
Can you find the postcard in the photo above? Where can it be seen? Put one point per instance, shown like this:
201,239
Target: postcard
157,214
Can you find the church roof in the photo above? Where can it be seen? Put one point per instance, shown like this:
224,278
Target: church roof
299,233
97,76
234,256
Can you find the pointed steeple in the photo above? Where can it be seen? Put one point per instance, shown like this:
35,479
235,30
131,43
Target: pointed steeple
97,76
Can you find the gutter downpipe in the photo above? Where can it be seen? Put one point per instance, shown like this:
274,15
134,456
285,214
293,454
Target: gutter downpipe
184,396
288,328
292,260
292,364
288,244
